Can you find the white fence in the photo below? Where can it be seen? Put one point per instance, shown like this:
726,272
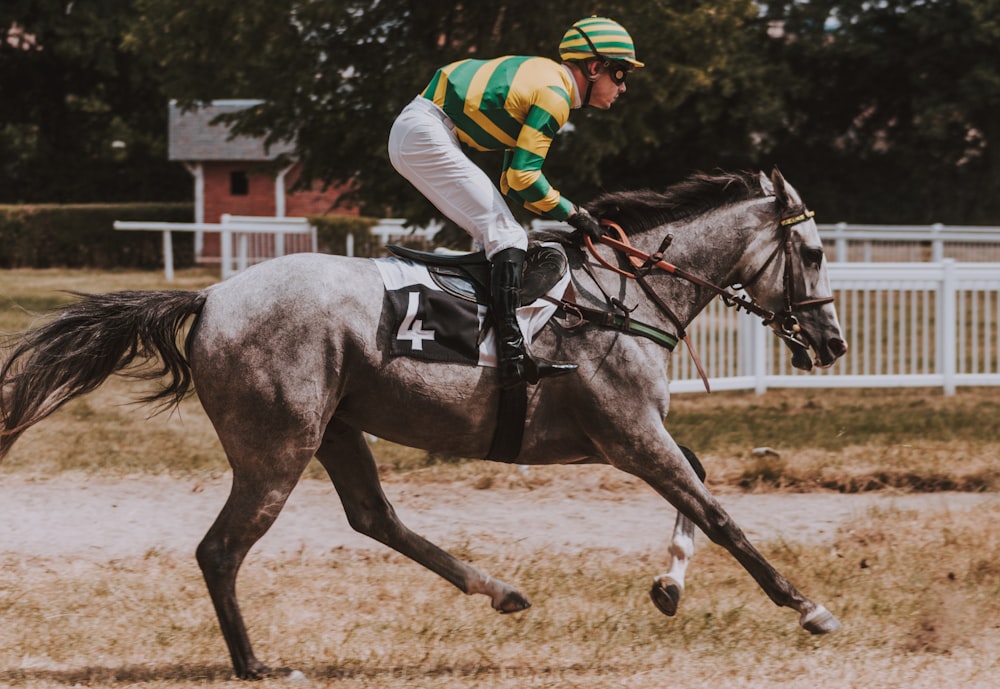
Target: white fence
912,314
919,305
243,240
897,243
906,325
246,240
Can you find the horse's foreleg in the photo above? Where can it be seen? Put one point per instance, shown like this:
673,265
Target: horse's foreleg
675,480
254,503
668,587
347,459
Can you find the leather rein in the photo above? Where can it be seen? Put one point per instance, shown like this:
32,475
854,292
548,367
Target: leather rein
783,323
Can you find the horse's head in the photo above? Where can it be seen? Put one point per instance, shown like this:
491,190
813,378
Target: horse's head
789,277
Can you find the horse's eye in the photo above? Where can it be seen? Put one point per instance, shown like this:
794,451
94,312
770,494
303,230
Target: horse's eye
812,256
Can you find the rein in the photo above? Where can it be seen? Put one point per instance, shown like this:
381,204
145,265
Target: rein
784,323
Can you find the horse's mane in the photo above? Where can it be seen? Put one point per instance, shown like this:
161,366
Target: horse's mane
640,210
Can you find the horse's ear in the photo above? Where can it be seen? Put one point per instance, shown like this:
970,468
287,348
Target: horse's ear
779,187
765,184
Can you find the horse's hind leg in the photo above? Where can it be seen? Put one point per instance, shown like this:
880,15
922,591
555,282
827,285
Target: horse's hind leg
347,459
262,482
668,587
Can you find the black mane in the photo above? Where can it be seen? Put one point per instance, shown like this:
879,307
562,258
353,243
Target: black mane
640,210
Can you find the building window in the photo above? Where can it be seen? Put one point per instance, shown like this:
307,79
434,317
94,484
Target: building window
239,184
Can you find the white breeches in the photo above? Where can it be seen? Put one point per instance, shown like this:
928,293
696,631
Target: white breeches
424,148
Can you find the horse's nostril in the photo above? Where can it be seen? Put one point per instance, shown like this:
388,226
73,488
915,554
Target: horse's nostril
838,347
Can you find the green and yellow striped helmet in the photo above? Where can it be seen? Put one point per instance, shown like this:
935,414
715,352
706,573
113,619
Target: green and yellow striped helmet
598,37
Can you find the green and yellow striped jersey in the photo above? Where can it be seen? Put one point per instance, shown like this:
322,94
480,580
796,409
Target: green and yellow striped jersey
514,104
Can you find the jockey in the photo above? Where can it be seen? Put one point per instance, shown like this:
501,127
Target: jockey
514,104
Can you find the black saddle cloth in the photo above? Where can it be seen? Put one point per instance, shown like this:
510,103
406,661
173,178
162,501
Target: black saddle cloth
467,276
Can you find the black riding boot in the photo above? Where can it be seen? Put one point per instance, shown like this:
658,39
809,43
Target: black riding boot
513,363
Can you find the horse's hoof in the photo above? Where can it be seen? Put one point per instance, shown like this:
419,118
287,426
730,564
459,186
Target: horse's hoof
256,671
260,671
666,595
512,602
819,621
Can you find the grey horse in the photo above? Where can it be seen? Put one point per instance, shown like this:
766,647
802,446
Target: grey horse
290,362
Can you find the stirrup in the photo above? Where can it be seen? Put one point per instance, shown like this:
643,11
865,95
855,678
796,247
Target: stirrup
530,370
537,369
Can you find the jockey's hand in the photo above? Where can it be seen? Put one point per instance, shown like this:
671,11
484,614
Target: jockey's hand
586,225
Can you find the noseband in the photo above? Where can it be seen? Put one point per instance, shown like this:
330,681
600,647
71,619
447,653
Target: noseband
784,323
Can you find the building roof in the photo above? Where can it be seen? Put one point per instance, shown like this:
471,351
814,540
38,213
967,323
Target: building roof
192,136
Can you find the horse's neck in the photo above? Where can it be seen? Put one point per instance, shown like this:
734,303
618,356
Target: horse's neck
710,248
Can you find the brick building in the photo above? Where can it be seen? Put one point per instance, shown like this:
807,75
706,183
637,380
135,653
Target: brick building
236,175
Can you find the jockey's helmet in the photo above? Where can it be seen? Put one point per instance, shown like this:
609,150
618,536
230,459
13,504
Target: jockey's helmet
600,38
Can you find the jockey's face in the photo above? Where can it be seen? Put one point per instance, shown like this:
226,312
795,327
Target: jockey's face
605,90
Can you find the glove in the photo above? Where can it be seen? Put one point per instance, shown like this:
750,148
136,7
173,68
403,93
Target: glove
585,224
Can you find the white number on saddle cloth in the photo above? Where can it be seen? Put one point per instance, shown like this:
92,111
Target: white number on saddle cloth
412,328
431,324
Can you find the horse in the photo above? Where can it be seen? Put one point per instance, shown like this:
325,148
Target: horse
289,360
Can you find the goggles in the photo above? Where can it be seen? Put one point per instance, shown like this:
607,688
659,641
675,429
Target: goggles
617,70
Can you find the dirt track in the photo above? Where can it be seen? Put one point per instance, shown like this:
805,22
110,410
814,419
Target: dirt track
112,518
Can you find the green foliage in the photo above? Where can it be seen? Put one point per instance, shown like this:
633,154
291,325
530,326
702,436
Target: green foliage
336,73
46,236
81,120
893,108
878,112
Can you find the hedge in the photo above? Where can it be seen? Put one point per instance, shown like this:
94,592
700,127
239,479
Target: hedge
83,236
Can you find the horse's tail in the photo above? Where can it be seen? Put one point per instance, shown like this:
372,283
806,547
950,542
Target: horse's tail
87,341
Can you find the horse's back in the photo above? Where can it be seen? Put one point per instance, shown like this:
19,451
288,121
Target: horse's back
310,277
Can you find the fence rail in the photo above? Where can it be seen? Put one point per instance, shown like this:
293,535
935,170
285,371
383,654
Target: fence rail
855,243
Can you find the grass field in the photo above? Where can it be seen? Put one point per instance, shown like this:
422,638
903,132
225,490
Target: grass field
919,594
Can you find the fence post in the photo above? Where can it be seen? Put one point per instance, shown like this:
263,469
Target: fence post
168,256
759,348
841,243
226,252
937,243
242,241
948,326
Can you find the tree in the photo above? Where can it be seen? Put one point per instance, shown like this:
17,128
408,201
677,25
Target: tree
334,74
80,119
893,114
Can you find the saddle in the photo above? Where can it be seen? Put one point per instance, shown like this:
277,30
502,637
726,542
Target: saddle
467,276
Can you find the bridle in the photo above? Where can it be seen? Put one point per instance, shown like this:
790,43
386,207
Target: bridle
787,324
783,323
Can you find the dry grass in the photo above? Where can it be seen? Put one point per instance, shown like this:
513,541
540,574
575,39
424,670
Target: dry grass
918,595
